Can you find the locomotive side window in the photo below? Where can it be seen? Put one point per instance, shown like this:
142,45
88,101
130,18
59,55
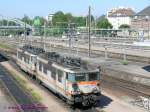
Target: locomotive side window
53,75
45,70
19,55
33,59
40,66
37,65
26,58
60,75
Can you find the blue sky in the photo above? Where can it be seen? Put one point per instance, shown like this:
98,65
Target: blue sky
17,8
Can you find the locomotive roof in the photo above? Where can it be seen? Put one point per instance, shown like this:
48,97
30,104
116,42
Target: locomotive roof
67,63
32,49
64,62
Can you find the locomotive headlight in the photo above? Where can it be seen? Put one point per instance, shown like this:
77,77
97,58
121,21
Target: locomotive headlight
95,90
75,88
98,84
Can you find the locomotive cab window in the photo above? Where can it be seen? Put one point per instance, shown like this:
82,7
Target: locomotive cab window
78,77
93,76
70,77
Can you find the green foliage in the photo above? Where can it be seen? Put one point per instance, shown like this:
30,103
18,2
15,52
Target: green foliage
124,62
5,23
104,24
124,26
25,86
35,95
27,20
4,46
80,21
60,19
37,22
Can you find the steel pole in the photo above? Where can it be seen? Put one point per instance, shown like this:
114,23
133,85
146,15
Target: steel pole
148,27
89,37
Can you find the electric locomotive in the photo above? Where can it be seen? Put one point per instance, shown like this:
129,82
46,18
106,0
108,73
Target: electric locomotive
69,77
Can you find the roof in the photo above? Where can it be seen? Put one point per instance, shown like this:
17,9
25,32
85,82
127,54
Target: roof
62,61
67,63
144,12
32,49
121,12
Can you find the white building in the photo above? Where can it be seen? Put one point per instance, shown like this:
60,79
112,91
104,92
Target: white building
119,16
50,16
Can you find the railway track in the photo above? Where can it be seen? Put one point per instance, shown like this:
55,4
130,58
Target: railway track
95,51
98,42
131,88
77,108
119,83
24,101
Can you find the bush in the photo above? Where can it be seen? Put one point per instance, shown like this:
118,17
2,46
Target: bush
125,62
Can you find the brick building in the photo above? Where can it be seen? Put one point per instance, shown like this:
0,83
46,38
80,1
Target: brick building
141,20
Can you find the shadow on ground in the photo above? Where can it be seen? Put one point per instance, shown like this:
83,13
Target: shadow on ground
104,101
3,58
147,68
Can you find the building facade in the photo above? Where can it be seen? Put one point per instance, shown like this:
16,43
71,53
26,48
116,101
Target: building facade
120,16
141,22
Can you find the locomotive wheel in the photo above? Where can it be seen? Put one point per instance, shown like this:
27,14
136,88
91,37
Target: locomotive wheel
69,102
39,81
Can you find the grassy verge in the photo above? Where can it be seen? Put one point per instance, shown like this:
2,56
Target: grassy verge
36,97
5,46
124,62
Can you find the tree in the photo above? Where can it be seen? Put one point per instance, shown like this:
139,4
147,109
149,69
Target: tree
37,22
27,20
59,18
104,23
124,26
69,17
80,21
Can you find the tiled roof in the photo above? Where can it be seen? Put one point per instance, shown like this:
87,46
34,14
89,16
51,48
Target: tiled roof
121,12
145,12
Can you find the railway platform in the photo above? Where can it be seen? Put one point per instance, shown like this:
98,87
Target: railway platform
134,71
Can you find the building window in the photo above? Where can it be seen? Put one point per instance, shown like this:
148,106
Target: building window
60,75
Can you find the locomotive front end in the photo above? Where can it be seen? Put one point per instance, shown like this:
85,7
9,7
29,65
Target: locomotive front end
85,87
